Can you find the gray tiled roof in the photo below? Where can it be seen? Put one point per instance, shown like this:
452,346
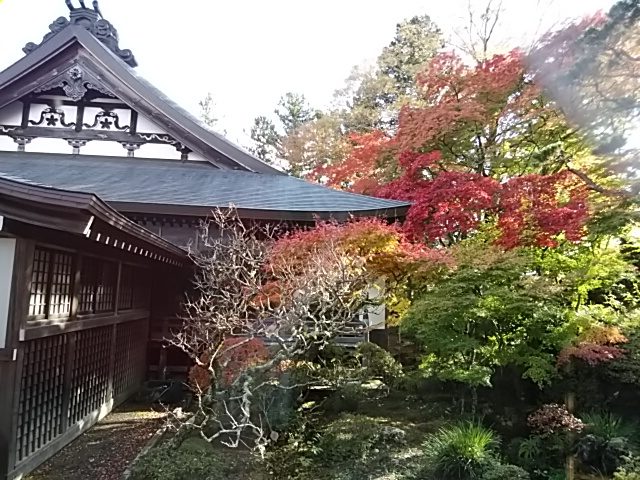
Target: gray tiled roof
191,183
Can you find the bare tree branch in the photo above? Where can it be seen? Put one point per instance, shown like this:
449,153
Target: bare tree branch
245,297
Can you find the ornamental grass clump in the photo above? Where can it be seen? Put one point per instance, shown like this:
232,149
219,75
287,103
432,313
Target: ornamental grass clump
460,452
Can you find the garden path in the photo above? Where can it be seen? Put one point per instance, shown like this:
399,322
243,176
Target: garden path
106,450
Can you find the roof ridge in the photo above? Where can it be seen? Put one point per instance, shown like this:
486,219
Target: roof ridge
92,21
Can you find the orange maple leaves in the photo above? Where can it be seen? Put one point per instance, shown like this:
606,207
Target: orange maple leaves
443,153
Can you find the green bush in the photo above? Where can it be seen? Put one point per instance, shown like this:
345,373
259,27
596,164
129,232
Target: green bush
601,455
345,399
460,452
607,442
348,448
414,382
379,363
530,450
630,470
607,425
542,454
505,472
193,460
353,438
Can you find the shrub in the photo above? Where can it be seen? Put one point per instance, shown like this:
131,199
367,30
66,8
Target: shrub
414,382
192,461
353,438
607,442
607,425
540,455
505,472
350,447
602,455
379,363
345,399
460,452
553,418
530,450
630,470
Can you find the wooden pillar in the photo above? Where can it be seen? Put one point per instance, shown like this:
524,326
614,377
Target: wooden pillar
15,267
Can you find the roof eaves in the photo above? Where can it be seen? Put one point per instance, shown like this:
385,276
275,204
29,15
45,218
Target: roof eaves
394,212
29,62
89,203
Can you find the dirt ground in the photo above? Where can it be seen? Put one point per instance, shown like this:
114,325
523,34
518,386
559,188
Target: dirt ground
104,451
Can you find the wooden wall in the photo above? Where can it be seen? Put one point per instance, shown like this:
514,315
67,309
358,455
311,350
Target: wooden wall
76,347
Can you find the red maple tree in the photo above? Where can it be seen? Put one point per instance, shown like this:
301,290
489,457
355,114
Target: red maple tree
383,248
473,150
536,208
359,172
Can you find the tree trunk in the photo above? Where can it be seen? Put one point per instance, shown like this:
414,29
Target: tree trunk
474,400
570,464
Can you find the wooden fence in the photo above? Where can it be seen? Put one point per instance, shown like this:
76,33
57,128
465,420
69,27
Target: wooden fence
82,349
71,380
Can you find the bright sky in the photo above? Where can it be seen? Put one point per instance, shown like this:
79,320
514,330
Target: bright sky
249,52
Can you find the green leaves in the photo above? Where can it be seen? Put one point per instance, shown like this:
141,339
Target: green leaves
461,451
493,310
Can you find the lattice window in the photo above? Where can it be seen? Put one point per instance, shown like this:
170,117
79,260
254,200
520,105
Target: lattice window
125,302
39,283
40,410
88,280
60,287
129,368
106,287
51,282
90,376
97,285
141,288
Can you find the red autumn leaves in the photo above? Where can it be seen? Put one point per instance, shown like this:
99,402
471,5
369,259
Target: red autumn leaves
236,355
529,210
457,155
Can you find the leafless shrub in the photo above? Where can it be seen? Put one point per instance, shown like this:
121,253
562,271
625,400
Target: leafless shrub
251,319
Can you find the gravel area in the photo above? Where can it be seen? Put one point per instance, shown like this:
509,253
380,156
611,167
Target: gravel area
104,451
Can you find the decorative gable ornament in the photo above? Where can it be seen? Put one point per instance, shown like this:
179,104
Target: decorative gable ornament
91,20
76,81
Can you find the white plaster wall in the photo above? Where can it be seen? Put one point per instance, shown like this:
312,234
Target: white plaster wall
7,254
377,314
156,150
7,144
47,145
11,114
108,149
146,125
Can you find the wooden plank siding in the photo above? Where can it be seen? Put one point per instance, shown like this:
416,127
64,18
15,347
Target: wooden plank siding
77,346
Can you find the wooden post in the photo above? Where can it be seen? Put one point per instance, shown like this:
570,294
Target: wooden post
7,440
114,336
17,255
67,380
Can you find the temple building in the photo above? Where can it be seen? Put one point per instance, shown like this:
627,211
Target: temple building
103,183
